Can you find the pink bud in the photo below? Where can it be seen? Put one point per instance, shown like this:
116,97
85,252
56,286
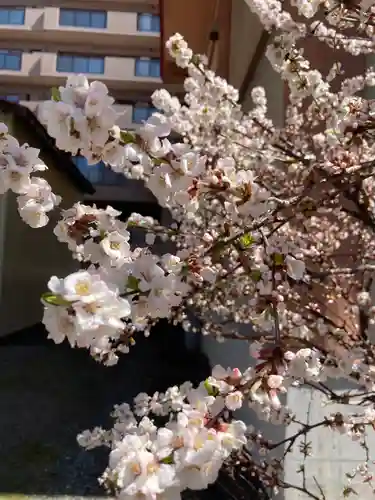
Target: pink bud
275,401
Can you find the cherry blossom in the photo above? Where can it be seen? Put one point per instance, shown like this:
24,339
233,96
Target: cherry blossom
265,219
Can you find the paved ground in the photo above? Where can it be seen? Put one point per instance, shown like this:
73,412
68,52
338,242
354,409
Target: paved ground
49,393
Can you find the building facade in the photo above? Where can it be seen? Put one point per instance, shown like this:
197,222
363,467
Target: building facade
115,41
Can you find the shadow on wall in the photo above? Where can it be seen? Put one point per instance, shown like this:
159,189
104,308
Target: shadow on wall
51,392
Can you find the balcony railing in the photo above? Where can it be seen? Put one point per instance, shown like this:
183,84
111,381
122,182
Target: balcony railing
39,68
121,32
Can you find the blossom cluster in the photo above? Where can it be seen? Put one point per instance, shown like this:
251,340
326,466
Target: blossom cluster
80,117
186,453
123,290
34,195
262,218
188,183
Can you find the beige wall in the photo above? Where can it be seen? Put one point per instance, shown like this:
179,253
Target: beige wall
30,256
40,68
41,37
42,30
120,5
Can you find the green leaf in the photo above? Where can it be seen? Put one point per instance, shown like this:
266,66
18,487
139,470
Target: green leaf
133,283
211,390
185,269
54,300
247,240
167,460
157,161
55,94
127,137
278,259
131,223
256,275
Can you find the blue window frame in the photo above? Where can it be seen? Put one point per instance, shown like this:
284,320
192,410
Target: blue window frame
148,22
12,15
83,18
98,173
10,59
142,113
147,67
68,63
10,98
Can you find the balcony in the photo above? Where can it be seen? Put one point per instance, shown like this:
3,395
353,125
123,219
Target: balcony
131,5
29,70
121,35
39,68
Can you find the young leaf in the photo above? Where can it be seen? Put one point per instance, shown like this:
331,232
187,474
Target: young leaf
256,275
133,283
246,240
127,137
278,259
55,94
54,300
211,390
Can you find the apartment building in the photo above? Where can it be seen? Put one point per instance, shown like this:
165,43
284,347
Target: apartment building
115,41
118,42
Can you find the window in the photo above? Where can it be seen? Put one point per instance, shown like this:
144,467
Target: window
98,173
80,64
14,15
10,59
142,113
10,98
83,18
147,67
148,22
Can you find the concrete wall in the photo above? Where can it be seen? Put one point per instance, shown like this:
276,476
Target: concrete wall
29,257
246,31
